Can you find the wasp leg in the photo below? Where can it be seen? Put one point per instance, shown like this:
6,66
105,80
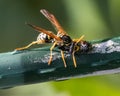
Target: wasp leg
22,48
76,42
63,58
50,60
74,60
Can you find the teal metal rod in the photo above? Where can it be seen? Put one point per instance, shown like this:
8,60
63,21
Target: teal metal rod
31,65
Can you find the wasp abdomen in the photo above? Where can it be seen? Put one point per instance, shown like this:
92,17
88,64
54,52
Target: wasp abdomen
45,38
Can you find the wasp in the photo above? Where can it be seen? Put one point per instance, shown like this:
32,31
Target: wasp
61,40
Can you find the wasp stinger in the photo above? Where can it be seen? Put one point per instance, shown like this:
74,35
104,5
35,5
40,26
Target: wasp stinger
61,40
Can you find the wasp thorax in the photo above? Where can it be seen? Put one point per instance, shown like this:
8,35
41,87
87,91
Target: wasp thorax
66,39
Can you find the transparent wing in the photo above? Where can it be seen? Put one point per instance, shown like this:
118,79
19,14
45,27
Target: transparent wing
54,21
39,29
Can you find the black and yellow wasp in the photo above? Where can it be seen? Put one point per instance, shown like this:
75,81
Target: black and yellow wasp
61,40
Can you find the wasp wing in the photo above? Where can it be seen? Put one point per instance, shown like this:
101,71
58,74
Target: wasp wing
39,29
54,21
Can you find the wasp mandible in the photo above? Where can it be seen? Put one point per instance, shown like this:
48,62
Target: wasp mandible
61,40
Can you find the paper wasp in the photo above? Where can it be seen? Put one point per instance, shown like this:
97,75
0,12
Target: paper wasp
62,40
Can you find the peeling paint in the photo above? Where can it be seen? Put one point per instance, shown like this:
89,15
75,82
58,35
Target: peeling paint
106,47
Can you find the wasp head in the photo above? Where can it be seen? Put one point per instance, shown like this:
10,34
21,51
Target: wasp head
85,46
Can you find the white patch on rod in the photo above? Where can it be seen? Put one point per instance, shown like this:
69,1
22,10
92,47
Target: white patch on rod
106,47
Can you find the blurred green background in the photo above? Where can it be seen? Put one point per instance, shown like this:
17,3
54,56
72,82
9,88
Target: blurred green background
96,19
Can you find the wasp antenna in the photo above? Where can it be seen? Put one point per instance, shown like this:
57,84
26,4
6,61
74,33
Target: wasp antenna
79,39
